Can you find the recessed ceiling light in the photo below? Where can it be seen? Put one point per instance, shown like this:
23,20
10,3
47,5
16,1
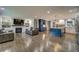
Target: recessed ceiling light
48,12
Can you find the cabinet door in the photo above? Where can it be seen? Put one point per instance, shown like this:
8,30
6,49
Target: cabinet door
11,36
2,38
6,37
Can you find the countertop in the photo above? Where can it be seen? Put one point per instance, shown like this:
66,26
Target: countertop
5,33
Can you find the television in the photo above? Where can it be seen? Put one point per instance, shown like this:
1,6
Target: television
18,22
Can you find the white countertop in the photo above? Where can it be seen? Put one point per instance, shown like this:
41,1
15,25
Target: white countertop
5,33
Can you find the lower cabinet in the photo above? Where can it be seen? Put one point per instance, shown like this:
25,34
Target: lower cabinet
6,37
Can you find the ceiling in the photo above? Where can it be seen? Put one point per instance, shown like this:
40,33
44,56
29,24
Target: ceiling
59,12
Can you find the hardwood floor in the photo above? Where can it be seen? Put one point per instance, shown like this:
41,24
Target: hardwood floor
43,42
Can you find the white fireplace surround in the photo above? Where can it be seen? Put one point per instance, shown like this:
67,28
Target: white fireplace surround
23,28
13,28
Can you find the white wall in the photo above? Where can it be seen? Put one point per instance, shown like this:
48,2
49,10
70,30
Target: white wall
31,23
51,23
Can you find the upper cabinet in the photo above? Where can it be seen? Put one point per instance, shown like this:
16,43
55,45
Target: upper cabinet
70,26
7,21
70,23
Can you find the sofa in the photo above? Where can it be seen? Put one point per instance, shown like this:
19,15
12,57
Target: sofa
32,32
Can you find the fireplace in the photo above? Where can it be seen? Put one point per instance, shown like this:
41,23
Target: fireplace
18,30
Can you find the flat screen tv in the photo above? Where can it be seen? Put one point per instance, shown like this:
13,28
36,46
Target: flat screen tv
18,22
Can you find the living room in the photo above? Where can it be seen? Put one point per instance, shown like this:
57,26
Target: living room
37,29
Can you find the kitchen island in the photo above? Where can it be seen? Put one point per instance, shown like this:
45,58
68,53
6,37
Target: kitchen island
56,31
6,36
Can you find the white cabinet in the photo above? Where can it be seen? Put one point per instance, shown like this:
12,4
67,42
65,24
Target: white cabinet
7,21
70,26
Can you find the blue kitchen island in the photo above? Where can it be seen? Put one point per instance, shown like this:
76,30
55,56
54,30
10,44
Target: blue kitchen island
57,32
